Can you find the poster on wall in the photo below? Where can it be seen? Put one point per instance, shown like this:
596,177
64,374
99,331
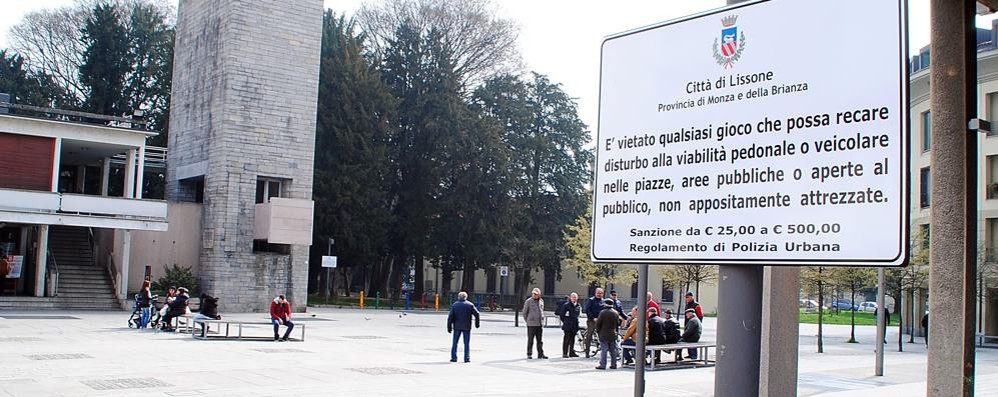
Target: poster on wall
16,262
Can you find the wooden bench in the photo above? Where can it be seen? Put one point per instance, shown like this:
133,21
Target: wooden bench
206,324
703,348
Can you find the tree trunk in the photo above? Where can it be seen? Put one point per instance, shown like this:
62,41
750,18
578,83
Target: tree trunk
468,279
898,308
852,332
420,277
446,276
914,317
821,305
698,288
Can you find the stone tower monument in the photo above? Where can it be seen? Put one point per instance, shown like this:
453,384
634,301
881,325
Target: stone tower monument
242,141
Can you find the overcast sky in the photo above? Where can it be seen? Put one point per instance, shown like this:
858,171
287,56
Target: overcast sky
559,38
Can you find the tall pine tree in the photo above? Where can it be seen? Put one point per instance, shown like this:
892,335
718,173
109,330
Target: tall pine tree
351,166
106,62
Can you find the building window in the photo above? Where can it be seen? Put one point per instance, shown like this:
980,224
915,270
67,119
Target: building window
491,279
924,187
667,294
267,188
992,106
550,276
923,235
991,173
991,240
926,131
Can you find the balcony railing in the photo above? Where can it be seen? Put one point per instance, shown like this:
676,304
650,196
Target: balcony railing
52,203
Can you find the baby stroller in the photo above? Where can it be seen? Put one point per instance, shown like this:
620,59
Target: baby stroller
136,317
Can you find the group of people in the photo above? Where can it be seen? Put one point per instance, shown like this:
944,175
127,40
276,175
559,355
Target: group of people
176,305
605,318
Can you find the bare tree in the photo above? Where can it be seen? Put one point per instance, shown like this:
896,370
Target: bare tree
816,277
49,39
483,44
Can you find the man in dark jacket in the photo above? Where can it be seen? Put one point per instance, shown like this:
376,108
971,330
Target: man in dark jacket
691,303
671,328
656,331
691,332
459,320
594,306
569,315
606,326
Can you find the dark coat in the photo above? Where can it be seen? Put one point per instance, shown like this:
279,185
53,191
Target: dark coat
656,331
460,316
691,333
671,331
179,304
607,323
570,316
145,298
593,308
209,306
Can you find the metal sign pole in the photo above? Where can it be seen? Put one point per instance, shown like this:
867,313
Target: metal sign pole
739,335
881,321
639,348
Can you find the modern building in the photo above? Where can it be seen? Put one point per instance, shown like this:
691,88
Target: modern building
921,171
70,195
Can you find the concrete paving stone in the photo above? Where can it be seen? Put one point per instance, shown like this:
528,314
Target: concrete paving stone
393,354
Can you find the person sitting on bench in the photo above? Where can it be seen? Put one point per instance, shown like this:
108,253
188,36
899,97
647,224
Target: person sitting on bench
209,311
177,308
280,313
691,334
656,331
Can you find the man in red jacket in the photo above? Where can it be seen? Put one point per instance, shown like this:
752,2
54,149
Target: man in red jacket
280,313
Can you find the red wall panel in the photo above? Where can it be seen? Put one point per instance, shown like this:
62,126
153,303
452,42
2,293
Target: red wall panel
26,162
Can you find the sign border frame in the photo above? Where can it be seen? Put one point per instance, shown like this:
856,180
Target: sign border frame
904,250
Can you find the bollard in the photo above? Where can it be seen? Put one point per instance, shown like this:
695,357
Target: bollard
377,300
422,301
436,301
407,306
361,299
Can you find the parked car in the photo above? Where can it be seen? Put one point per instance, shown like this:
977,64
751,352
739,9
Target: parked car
808,304
843,304
868,306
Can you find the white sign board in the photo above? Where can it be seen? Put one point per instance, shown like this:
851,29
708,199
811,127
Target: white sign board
503,271
328,261
773,132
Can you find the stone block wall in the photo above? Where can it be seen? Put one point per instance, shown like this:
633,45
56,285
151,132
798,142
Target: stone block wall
244,107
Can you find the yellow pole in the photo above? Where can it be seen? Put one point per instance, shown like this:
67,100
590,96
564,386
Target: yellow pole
436,302
361,299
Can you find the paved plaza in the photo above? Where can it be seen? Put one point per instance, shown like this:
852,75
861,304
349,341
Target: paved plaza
382,353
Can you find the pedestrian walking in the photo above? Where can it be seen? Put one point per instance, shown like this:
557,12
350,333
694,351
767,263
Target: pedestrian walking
594,306
569,315
533,315
459,321
606,326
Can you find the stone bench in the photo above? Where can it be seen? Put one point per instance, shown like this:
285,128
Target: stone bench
703,348
206,334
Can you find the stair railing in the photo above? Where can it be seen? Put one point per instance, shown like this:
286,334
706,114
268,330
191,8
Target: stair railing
52,275
105,259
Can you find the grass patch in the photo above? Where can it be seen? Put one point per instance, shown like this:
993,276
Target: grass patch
842,318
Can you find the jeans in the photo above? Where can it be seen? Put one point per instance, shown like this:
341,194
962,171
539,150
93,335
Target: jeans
610,345
144,320
466,334
628,353
693,353
277,326
532,333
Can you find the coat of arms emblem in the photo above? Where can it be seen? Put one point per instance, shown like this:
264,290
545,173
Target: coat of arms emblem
728,49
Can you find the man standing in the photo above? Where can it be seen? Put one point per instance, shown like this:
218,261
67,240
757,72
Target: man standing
280,314
619,307
569,315
594,306
652,303
606,326
691,333
459,320
693,304
533,315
